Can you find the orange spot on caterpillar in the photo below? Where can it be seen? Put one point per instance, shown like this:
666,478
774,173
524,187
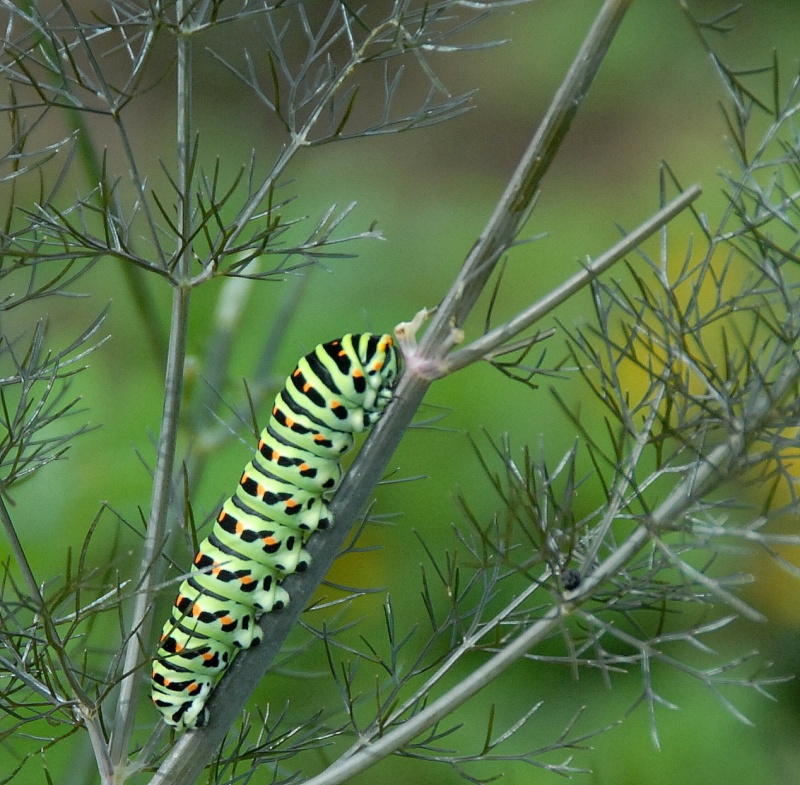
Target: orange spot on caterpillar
227,620
290,504
196,610
306,387
270,541
335,405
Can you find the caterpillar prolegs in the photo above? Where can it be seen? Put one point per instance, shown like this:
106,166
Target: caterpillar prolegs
339,389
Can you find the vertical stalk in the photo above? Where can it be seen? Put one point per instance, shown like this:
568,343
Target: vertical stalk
137,646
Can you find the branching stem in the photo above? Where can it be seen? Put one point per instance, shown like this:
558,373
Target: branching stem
496,338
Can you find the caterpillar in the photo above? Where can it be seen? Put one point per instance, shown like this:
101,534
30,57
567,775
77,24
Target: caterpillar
337,390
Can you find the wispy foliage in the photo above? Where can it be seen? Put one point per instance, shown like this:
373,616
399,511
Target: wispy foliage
689,360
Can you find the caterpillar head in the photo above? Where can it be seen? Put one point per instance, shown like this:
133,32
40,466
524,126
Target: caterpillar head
380,361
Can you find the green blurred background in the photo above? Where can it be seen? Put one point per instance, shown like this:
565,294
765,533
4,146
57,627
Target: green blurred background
431,192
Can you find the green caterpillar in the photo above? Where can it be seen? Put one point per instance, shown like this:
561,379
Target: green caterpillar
339,389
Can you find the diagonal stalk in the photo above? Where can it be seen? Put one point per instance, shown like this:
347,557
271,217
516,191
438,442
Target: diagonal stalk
516,204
